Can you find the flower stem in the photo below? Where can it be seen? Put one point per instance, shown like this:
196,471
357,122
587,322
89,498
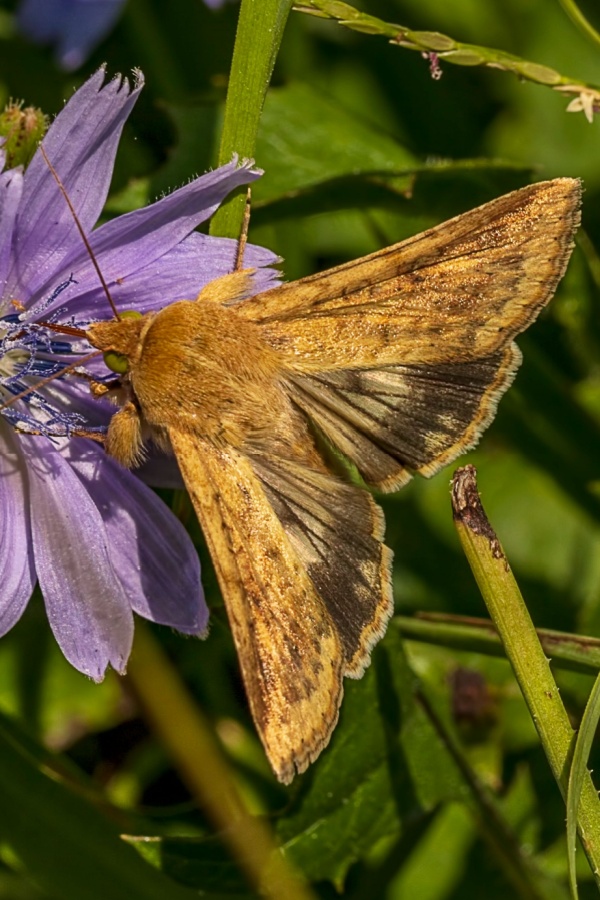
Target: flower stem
529,662
259,33
190,741
574,652
577,16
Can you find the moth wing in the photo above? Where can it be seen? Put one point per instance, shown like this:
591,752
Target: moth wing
289,650
400,358
460,291
336,530
395,420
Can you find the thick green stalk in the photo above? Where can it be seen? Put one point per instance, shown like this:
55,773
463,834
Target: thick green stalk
259,33
529,662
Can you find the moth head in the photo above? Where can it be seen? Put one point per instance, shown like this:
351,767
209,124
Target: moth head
120,340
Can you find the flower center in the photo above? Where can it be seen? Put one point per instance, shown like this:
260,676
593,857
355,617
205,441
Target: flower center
38,365
29,353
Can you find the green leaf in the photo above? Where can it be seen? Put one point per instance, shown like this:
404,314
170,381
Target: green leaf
318,156
578,773
386,766
66,845
197,862
306,139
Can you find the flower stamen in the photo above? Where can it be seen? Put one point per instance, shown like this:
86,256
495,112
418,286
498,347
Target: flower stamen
29,360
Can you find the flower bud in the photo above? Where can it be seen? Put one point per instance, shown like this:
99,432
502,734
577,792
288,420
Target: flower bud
21,130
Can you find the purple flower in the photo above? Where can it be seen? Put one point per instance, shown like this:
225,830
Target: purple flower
73,27
100,542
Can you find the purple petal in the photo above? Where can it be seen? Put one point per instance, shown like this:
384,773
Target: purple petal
75,396
158,470
87,608
179,274
74,26
11,188
81,144
137,239
16,558
149,547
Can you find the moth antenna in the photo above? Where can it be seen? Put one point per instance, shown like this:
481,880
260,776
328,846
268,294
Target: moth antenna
45,381
84,238
243,240
60,329
64,329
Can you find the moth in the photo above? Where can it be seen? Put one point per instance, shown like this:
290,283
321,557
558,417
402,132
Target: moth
397,360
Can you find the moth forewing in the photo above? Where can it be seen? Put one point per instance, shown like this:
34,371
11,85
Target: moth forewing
289,650
399,359
459,291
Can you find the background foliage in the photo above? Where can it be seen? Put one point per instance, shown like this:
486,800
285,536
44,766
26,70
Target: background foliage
434,786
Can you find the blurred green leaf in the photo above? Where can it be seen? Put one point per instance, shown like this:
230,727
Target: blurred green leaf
38,685
577,775
306,139
70,848
198,863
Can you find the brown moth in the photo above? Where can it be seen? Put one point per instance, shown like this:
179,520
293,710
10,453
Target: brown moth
398,360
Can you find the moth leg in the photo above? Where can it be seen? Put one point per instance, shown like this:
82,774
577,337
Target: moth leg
74,432
235,285
90,435
124,439
239,259
228,288
102,388
116,391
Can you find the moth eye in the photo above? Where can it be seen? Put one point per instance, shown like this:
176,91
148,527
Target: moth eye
116,362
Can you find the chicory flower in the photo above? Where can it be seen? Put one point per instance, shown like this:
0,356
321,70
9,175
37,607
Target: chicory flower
98,540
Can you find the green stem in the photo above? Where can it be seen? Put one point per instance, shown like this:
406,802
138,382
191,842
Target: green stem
576,16
574,652
529,662
193,748
259,33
